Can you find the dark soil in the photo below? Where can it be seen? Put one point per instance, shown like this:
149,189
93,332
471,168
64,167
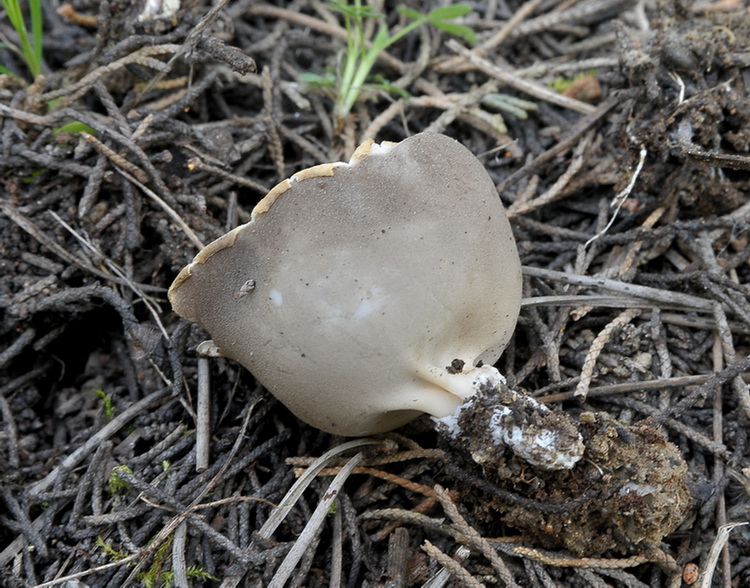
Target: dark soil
630,204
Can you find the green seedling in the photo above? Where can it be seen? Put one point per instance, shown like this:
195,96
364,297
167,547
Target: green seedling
167,577
157,575
155,572
385,85
359,58
31,45
115,554
109,409
32,176
116,484
74,128
518,107
561,84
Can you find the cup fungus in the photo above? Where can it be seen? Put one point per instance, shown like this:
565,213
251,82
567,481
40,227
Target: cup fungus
358,288
363,294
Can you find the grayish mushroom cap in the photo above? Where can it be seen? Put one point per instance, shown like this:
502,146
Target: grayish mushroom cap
355,286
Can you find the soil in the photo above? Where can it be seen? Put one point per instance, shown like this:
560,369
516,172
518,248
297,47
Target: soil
626,174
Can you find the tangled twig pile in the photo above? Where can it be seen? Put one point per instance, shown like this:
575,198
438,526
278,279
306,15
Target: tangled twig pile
149,135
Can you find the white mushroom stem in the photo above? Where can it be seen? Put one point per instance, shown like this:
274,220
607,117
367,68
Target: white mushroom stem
463,384
495,417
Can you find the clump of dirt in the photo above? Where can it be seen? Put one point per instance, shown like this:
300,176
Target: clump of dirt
691,106
624,495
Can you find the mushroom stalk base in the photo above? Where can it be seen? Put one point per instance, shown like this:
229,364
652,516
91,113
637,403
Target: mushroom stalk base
495,418
589,484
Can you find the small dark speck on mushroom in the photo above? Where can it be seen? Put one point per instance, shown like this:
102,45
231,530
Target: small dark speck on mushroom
456,366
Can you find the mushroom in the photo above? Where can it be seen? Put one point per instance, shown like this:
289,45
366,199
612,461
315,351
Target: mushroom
364,294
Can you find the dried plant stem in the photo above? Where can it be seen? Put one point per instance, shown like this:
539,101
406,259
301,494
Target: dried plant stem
313,524
195,163
476,541
143,57
555,192
291,497
625,387
454,568
565,144
593,562
388,477
645,292
511,78
718,470
28,226
203,416
587,373
93,442
178,555
722,537
166,208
